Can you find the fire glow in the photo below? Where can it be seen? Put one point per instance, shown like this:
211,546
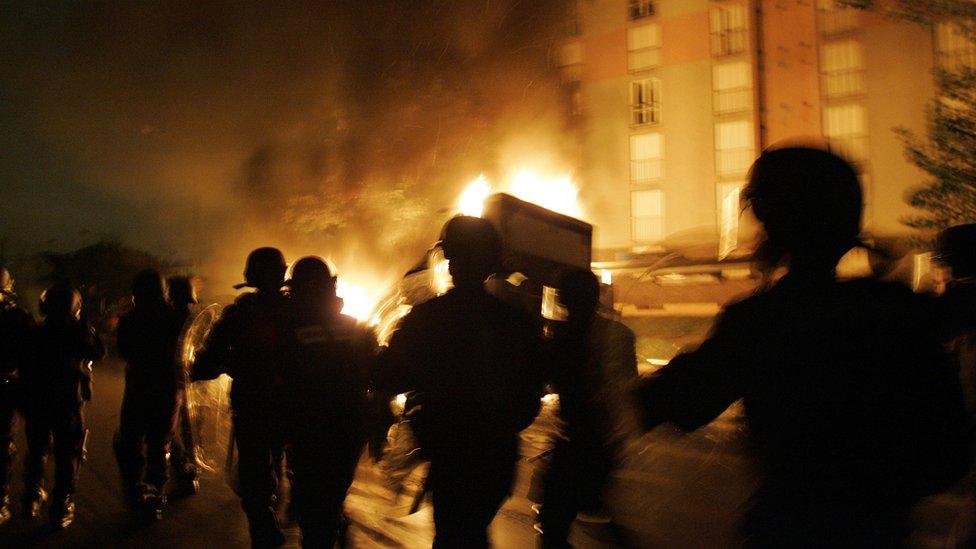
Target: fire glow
358,302
558,194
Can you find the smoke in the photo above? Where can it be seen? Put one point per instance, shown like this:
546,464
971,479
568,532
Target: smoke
344,129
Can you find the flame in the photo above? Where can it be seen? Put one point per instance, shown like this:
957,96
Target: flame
358,302
472,201
558,194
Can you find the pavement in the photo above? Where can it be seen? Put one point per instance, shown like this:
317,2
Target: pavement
673,490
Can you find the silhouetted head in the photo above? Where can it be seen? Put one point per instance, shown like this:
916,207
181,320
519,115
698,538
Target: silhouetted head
265,270
956,248
473,249
6,284
61,302
312,283
182,292
148,288
579,292
809,202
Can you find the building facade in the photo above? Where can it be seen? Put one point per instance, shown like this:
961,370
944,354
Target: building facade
673,99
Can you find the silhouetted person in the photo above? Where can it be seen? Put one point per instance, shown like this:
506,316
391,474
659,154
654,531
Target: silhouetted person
56,383
592,368
248,344
16,325
473,368
956,252
323,399
854,409
182,458
154,383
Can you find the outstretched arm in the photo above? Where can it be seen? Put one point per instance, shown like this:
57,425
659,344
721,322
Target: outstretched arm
694,388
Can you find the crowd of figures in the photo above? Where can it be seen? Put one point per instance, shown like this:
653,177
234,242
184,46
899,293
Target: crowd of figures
851,388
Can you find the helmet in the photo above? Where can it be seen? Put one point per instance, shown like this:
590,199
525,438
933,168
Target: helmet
6,282
955,247
61,301
469,238
808,200
181,290
265,268
579,291
148,286
309,272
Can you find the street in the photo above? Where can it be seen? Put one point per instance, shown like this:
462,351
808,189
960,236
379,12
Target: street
675,490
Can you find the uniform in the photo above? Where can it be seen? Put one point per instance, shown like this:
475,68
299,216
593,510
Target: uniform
15,329
474,368
154,385
324,398
248,344
854,408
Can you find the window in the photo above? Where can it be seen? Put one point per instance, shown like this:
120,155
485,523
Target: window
728,209
728,29
835,19
640,8
734,147
842,66
643,47
645,102
646,157
571,61
647,215
732,87
956,50
845,127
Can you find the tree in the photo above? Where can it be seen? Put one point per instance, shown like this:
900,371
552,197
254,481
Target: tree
103,272
948,153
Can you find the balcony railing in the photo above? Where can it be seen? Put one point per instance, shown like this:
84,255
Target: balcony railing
649,169
645,114
643,59
732,100
647,228
730,162
843,83
729,42
640,8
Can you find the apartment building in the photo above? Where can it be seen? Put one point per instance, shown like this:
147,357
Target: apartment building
674,98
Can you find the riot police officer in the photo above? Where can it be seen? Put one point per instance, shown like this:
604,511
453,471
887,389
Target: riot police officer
182,297
147,337
15,327
56,383
473,366
323,395
248,344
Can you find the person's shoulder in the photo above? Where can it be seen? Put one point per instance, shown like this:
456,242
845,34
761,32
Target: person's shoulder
614,327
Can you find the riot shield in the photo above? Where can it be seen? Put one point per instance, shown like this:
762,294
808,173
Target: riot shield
207,403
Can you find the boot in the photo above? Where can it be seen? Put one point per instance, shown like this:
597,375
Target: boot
33,502
151,503
62,512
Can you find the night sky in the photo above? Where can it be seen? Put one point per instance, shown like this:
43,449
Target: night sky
200,130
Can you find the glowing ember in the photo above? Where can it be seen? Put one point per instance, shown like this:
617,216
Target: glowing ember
357,301
558,194
472,201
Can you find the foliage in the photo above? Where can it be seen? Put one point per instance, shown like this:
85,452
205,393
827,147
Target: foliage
103,273
948,153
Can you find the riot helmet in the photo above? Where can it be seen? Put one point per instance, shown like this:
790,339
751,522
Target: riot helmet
955,248
148,288
809,202
182,291
61,302
579,292
265,269
472,247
